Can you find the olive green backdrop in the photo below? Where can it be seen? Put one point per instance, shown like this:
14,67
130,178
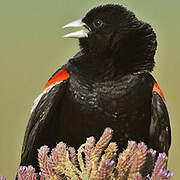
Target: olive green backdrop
32,48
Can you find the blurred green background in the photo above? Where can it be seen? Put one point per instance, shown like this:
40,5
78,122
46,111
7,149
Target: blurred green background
32,48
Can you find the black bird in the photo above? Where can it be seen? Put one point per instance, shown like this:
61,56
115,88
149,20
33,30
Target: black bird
107,84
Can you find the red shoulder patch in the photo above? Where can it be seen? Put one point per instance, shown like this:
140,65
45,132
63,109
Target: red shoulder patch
157,89
58,77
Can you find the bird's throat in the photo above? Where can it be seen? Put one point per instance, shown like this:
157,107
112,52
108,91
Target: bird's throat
95,67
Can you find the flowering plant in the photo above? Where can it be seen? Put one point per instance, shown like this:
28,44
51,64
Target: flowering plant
98,161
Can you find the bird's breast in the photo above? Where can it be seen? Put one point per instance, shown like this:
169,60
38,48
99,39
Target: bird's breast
89,107
110,97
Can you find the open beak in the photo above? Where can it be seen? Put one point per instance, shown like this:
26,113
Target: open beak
77,34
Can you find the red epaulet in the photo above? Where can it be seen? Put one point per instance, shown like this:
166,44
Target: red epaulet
58,77
157,89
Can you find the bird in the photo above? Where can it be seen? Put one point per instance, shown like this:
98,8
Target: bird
108,83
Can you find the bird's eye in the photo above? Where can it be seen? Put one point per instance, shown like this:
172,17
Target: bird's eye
98,23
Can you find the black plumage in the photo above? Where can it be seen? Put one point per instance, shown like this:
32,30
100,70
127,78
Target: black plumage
107,84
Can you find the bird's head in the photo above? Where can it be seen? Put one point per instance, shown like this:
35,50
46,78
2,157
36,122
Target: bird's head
112,30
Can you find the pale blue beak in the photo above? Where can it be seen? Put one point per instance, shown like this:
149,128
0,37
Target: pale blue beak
77,34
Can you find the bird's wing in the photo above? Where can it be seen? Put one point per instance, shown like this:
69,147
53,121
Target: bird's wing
51,94
160,131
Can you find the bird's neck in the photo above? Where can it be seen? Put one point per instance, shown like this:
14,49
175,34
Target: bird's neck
108,67
135,52
95,67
